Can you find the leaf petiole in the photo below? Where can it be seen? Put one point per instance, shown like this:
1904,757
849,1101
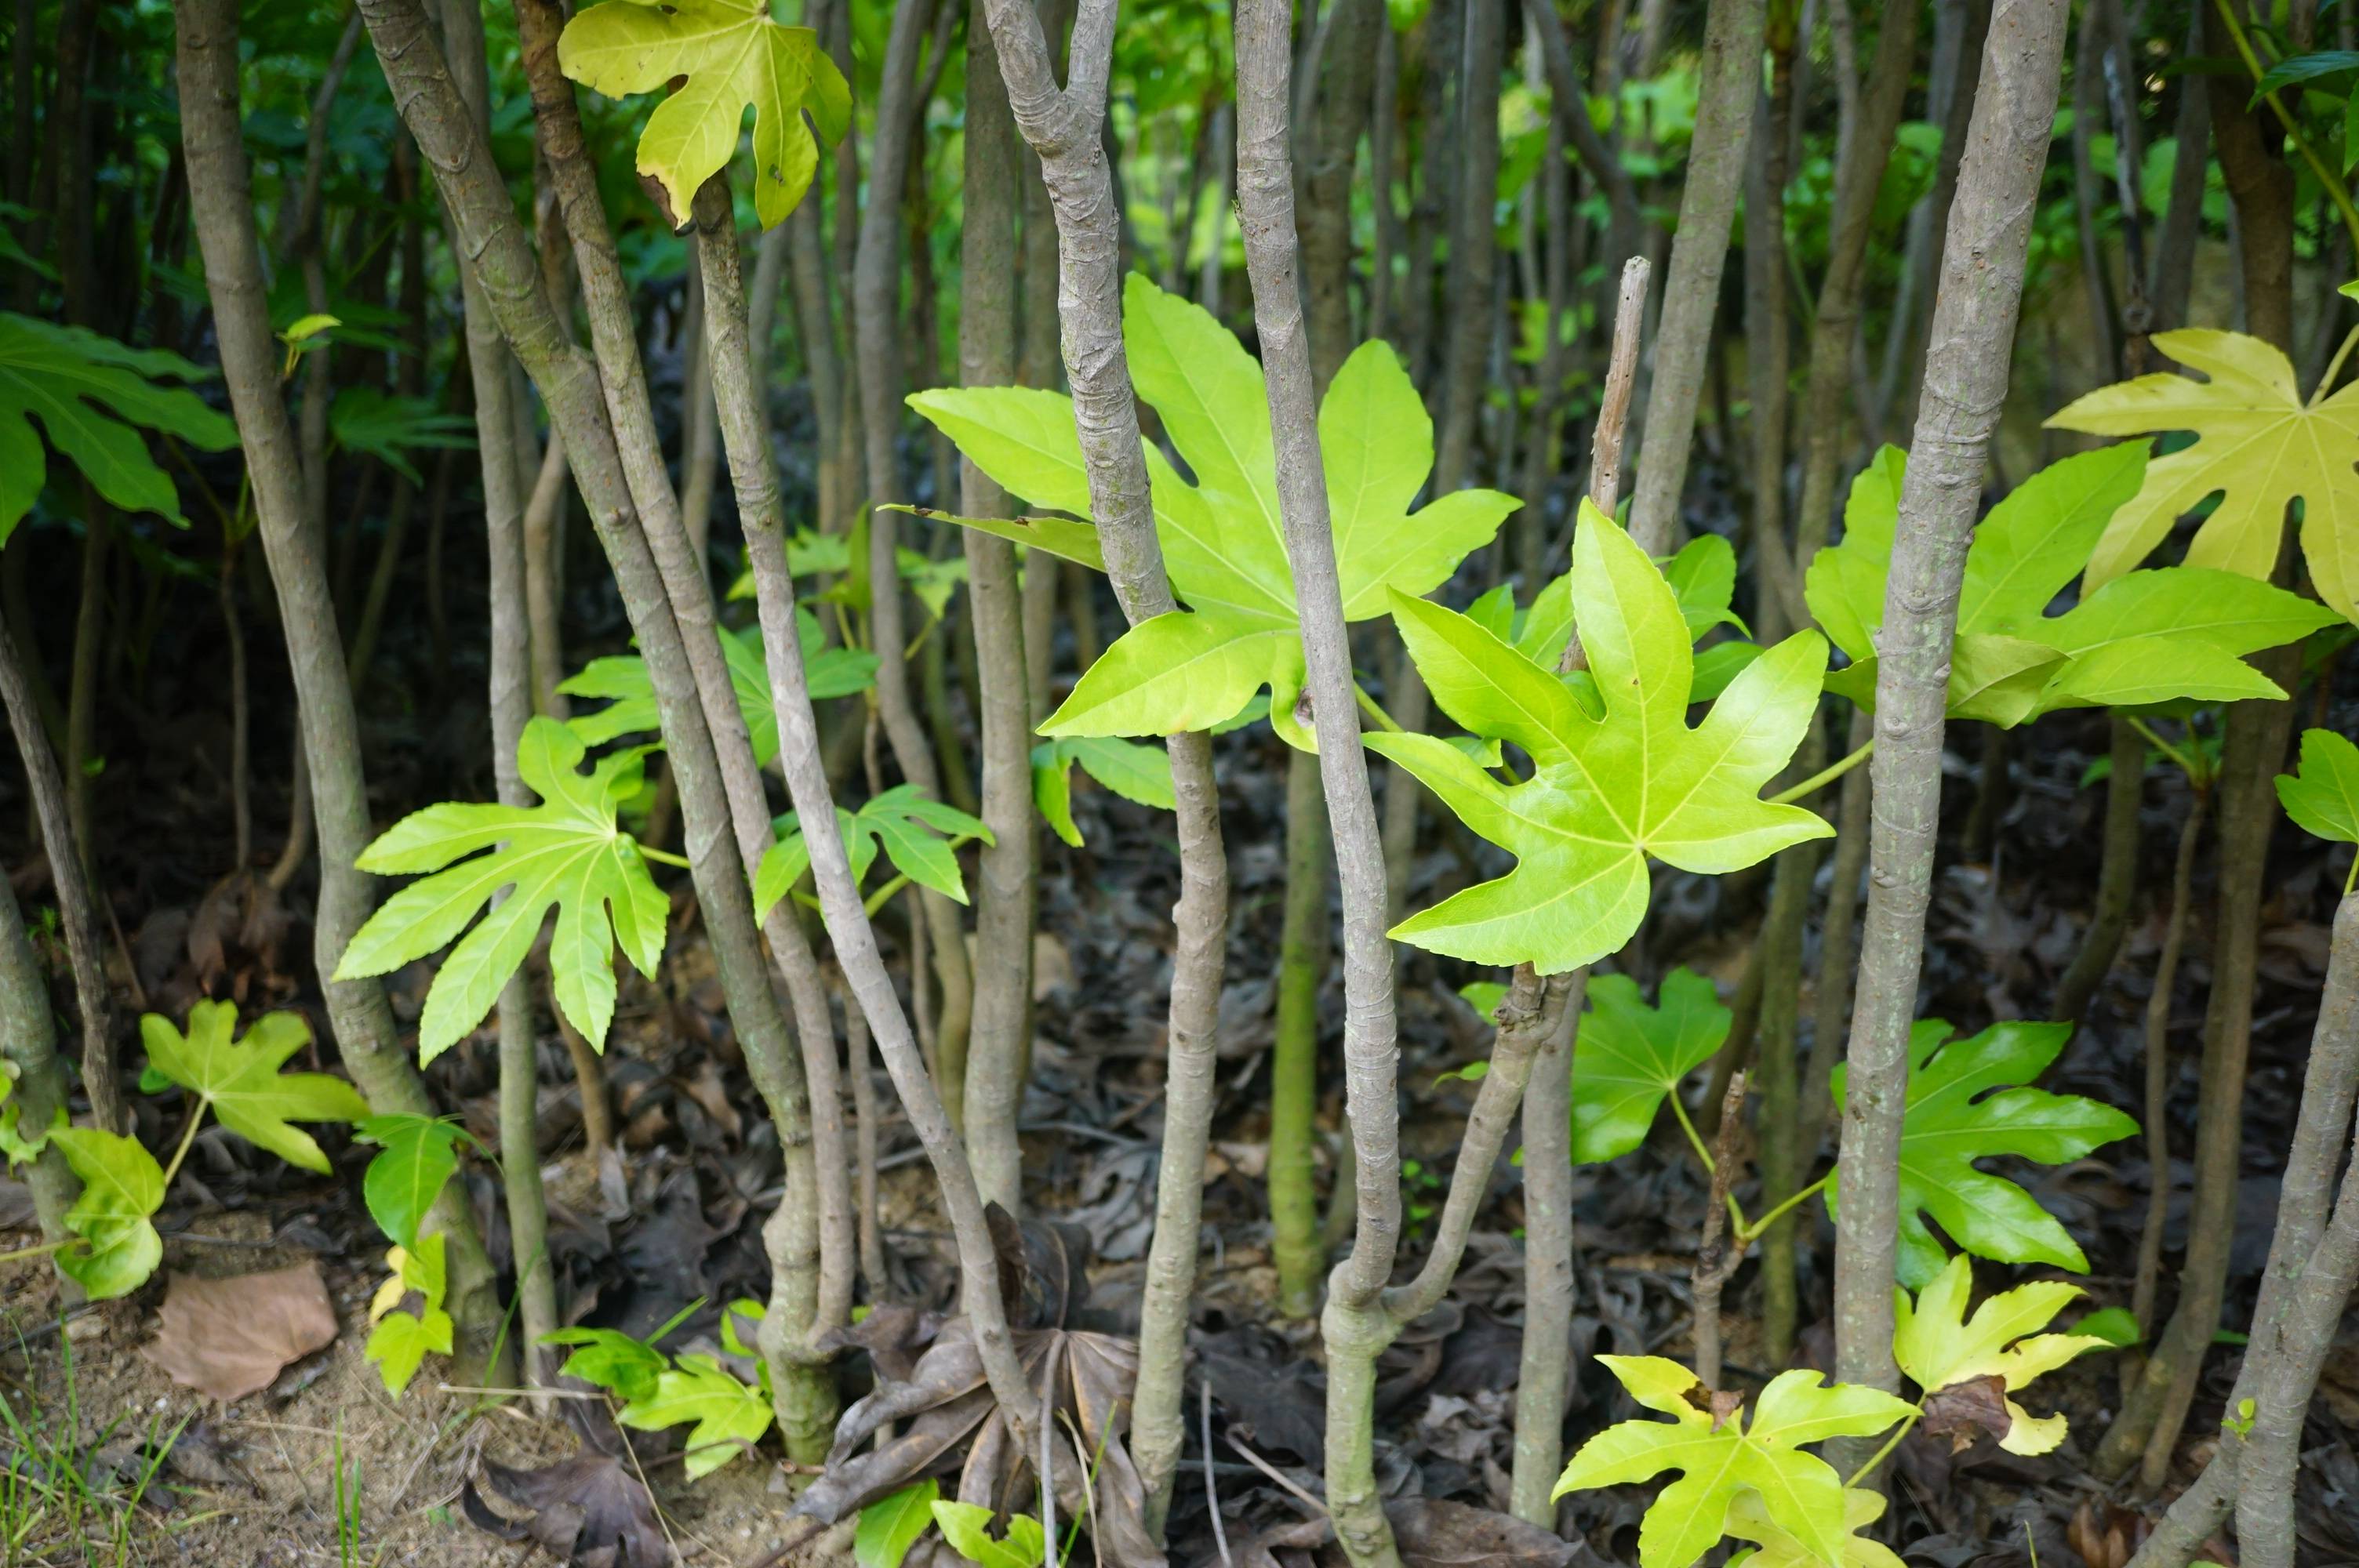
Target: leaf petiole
188,1138
1825,776
664,857
1753,1232
1374,709
1881,1454
1695,1139
2188,764
42,1250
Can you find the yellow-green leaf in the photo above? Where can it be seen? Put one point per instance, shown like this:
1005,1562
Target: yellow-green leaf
2258,447
1939,1347
734,57
122,1187
241,1081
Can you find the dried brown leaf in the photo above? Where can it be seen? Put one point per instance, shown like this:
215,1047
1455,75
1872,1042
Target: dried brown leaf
232,1337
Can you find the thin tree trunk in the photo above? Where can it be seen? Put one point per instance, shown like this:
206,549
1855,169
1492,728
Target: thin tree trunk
999,1049
2158,1063
77,904
221,201
1348,29
2303,1291
1729,80
1297,1244
2253,745
876,292
1474,246
1063,128
788,1340
28,1038
510,707
1974,318
1543,1367
1836,322
1838,941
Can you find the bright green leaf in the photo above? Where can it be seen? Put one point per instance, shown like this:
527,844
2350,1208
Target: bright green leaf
734,56
2117,1327
241,1081
399,1341
568,853
2323,795
1954,1118
623,678
729,1415
629,1369
1722,1457
1137,772
891,1525
1630,1055
417,1155
1607,791
122,1187
904,822
388,428
967,1527
1220,536
1749,1519
88,393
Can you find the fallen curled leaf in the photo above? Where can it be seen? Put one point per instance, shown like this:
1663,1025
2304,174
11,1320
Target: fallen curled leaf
590,1510
1963,1411
228,1339
1433,1532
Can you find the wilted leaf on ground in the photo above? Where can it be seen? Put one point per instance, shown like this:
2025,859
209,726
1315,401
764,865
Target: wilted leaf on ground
590,1510
228,1339
1434,1533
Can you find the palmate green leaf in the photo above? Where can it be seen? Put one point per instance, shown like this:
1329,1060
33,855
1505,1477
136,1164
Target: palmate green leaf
622,678
2322,795
1939,1347
729,1415
892,1524
1749,1519
2148,637
1139,773
1608,790
1960,1109
2258,447
967,1527
1631,1056
91,395
918,834
416,1156
1221,539
241,1080
122,1188
1704,580
399,1342
630,1369
388,427
1722,1458
734,57
567,854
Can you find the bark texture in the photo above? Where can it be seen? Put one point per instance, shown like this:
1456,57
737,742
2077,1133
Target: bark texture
1972,344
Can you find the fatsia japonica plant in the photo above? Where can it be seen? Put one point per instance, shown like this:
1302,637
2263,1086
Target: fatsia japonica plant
113,1246
621,681
1970,1100
1749,1475
569,854
1196,667
2134,638
1616,774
